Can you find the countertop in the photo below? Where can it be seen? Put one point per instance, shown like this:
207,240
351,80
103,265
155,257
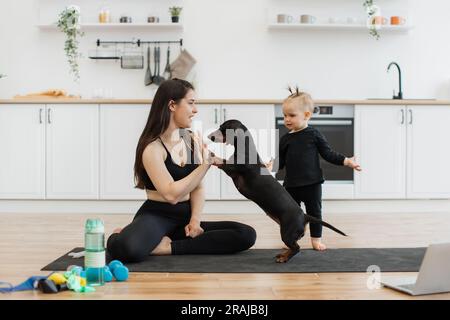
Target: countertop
222,101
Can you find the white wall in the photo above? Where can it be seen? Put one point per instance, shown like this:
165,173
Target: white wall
238,57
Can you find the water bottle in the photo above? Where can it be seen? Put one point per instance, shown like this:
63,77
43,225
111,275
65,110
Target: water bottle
94,257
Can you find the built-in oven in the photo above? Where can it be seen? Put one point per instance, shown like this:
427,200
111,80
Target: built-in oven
336,123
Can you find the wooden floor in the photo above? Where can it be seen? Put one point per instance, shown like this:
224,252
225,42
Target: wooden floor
30,241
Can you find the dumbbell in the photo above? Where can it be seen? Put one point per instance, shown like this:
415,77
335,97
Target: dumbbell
107,275
118,270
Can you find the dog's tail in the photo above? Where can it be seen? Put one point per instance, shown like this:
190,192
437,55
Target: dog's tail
309,218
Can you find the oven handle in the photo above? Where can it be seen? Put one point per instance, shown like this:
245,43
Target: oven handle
331,122
324,122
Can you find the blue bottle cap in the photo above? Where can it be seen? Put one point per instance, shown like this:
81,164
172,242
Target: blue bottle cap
94,226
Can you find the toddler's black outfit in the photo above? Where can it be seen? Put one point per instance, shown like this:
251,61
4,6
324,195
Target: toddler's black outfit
299,154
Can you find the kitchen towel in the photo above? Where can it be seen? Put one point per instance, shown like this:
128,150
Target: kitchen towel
182,65
263,261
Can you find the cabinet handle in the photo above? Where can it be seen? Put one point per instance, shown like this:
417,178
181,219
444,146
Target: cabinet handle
215,115
403,116
410,116
224,115
40,115
49,120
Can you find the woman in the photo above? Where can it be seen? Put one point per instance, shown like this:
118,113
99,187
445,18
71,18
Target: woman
171,170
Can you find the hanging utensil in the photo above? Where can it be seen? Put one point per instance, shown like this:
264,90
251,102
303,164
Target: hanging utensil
158,79
148,73
134,59
167,74
155,61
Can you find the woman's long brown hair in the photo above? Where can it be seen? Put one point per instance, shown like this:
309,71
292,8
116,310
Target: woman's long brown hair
158,122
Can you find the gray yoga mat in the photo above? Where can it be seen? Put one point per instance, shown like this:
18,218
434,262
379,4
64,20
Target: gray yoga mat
262,261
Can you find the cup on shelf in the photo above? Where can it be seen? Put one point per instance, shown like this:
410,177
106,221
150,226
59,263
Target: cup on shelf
124,18
152,19
379,20
333,20
336,20
397,21
307,18
284,18
352,20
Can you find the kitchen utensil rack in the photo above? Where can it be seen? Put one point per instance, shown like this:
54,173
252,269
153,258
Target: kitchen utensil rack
117,56
138,42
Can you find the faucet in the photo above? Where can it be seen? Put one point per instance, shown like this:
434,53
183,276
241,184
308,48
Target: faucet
400,93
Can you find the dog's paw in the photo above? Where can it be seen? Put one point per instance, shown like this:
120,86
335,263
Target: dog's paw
283,257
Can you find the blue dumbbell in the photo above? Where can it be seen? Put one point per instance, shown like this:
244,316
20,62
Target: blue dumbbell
107,274
119,271
113,264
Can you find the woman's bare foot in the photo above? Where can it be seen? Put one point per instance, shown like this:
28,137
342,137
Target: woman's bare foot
163,248
117,230
317,244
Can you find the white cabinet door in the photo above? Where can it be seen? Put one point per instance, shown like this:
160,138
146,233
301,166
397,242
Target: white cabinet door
260,120
206,121
428,152
120,129
72,151
380,148
22,151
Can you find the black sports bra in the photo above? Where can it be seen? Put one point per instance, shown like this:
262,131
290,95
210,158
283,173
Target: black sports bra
177,172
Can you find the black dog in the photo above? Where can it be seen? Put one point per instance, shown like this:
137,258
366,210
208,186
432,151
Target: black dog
254,181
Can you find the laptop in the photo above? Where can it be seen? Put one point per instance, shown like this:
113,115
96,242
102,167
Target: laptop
433,277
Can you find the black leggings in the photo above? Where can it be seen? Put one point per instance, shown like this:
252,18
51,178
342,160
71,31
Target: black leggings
154,220
311,196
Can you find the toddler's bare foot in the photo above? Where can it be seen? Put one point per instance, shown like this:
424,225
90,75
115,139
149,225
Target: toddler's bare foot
163,248
317,244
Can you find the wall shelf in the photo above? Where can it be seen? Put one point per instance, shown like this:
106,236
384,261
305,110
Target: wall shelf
338,27
124,26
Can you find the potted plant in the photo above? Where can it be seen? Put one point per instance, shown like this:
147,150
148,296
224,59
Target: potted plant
175,13
69,24
372,11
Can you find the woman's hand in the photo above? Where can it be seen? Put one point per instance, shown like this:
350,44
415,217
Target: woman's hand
203,153
193,229
351,162
269,165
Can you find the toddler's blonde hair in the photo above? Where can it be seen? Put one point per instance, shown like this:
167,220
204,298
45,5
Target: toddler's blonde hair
305,102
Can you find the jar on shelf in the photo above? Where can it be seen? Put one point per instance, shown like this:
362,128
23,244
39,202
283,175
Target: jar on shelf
104,15
125,18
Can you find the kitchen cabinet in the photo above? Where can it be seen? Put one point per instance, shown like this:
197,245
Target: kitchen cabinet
72,163
428,152
22,151
400,151
120,129
380,149
49,151
260,120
